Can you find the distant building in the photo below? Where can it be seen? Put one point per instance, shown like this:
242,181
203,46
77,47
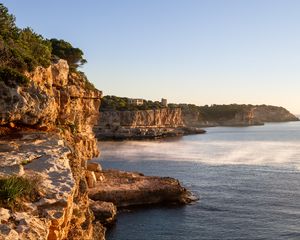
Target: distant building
136,101
164,102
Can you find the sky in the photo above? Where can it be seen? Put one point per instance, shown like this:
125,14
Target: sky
188,51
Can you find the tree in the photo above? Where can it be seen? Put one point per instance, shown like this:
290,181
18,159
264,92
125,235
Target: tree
7,22
21,49
35,49
65,50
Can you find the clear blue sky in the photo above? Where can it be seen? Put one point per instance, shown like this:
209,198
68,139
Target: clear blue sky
193,51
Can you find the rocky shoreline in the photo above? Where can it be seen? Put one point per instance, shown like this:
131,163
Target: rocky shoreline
177,121
113,189
46,132
144,133
250,115
142,124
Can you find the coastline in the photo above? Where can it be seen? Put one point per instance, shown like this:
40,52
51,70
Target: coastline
112,190
146,133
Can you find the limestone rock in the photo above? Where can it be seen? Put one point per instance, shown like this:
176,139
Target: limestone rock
4,215
104,212
31,227
15,169
142,124
7,233
99,231
99,176
95,167
131,189
90,178
46,129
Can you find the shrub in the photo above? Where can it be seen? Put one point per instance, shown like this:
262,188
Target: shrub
21,49
122,104
24,50
12,78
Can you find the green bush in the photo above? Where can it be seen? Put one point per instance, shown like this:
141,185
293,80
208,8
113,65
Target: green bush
21,49
24,50
12,78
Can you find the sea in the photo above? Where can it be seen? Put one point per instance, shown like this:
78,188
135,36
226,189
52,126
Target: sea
247,179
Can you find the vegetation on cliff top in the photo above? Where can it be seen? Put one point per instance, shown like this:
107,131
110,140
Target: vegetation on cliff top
110,103
12,77
23,50
65,50
213,112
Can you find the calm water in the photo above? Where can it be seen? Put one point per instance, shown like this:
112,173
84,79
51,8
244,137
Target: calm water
248,181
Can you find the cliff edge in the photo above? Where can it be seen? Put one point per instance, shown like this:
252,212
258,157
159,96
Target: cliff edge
46,133
141,124
234,115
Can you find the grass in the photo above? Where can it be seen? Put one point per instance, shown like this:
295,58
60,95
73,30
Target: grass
14,190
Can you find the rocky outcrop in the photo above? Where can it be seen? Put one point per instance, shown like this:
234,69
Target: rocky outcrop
42,156
46,130
265,113
141,124
164,117
104,212
126,189
248,116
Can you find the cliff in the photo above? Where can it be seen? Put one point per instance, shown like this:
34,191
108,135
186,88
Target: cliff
46,132
265,113
140,124
246,115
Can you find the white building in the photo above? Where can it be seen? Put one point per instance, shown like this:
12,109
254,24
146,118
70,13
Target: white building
136,101
164,102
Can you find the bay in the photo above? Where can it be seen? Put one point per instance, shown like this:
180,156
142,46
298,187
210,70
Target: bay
247,179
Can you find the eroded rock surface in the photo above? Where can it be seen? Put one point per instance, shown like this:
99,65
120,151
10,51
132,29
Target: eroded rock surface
104,212
46,130
142,124
131,189
43,156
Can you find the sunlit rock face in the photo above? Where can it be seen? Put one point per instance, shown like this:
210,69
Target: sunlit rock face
140,124
132,189
165,117
46,130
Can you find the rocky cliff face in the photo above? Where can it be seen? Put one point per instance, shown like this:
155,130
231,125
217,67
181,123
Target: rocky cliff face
47,125
139,124
250,115
271,114
164,117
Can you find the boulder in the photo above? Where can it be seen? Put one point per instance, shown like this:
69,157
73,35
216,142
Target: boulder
90,178
95,167
104,212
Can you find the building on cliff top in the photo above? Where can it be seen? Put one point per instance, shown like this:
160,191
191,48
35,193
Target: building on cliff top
136,101
164,102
